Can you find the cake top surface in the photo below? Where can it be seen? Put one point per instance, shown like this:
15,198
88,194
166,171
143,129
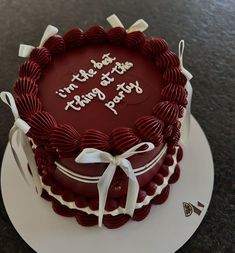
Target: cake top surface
101,87
105,89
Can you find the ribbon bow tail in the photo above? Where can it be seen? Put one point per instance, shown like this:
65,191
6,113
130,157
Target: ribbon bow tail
133,187
185,128
21,128
91,155
104,184
103,188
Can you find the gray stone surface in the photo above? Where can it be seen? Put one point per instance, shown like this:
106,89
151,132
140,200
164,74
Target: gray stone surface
208,28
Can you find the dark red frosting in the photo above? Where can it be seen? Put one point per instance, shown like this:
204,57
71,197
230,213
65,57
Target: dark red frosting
167,111
175,93
41,56
117,36
123,138
25,86
42,123
150,129
97,116
95,34
74,38
27,105
65,139
167,59
175,136
154,47
93,138
174,75
135,40
168,131
30,69
141,213
55,45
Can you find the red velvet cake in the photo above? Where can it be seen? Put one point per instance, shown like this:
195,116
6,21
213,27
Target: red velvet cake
103,109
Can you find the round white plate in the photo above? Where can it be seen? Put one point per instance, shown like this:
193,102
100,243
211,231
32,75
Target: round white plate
165,230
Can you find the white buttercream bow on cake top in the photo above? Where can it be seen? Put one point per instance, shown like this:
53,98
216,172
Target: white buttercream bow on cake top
25,50
21,128
92,155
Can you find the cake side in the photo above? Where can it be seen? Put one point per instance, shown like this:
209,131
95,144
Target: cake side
85,210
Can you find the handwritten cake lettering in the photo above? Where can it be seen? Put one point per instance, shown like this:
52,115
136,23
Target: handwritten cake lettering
106,60
80,101
83,76
67,89
119,68
123,89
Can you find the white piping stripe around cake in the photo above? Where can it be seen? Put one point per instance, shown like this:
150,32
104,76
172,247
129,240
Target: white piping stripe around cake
95,179
119,210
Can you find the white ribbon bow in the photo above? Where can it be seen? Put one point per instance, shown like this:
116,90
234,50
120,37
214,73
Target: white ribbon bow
139,25
92,155
21,127
185,128
25,50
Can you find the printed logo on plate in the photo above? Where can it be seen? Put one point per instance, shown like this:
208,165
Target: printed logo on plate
190,208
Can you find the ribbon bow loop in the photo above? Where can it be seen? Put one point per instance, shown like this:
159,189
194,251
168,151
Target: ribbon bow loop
25,50
90,155
139,25
187,74
185,127
21,128
8,99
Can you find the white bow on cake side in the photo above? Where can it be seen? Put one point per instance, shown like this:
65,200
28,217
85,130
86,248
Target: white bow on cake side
92,155
21,127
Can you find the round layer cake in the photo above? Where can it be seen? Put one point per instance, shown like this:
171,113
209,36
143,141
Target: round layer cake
107,90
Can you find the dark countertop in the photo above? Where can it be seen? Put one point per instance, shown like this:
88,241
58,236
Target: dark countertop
208,28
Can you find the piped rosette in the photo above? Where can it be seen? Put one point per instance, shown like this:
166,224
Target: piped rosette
55,45
41,56
65,139
42,123
95,34
25,86
154,48
117,36
74,38
31,70
27,105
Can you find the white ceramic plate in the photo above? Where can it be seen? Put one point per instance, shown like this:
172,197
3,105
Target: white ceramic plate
165,229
